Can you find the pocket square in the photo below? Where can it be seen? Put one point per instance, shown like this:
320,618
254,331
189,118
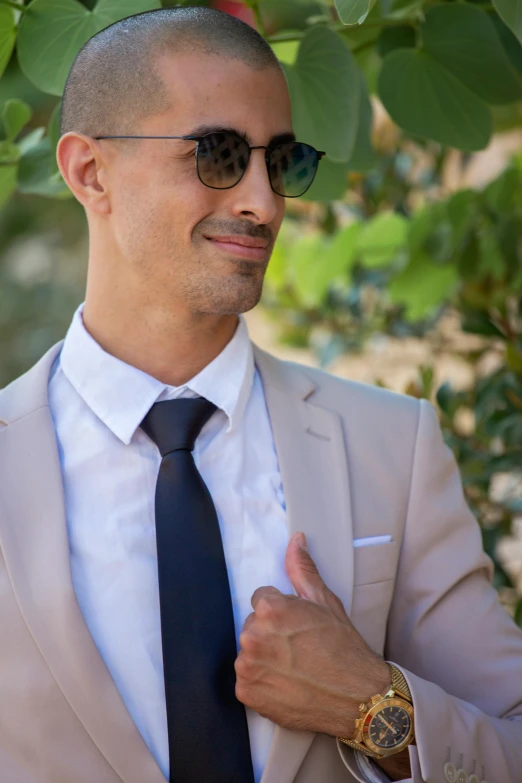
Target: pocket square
371,541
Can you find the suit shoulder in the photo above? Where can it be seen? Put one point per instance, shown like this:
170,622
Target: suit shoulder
344,393
28,391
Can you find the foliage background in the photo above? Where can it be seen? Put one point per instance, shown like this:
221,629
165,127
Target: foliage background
379,246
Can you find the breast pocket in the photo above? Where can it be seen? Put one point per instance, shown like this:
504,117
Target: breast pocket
374,578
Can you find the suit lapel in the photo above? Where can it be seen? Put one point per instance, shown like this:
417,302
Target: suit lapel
309,442
34,541
312,458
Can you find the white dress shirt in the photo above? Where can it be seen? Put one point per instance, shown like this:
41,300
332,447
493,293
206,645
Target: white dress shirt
110,468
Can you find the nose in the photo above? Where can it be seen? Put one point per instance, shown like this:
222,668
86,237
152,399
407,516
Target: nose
253,196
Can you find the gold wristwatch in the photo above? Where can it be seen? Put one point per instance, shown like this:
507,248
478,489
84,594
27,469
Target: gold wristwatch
386,723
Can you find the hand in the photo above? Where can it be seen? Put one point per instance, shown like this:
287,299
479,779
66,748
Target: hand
302,663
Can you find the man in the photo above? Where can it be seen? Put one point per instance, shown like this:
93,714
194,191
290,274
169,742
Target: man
162,617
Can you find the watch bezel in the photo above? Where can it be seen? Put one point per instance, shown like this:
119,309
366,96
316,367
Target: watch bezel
364,738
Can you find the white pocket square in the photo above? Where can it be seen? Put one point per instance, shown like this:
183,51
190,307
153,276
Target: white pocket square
371,541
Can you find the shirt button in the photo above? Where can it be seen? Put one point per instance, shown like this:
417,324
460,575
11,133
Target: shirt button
473,779
450,772
462,776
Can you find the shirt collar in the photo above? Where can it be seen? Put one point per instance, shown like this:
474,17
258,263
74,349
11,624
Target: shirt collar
121,395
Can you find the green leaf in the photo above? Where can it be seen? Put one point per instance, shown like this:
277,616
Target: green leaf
9,153
275,275
462,210
509,41
340,255
406,9
7,36
500,194
354,11
15,114
511,13
330,183
423,223
35,175
7,183
363,155
30,140
324,86
316,263
422,287
52,32
400,37
53,131
462,38
360,36
513,358
478,322
426,100
381,238
490,263
286,51
306,271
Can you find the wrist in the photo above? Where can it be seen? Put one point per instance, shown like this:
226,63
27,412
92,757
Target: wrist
386,723
377,681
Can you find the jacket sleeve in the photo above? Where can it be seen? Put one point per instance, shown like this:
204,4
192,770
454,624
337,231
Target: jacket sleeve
459,649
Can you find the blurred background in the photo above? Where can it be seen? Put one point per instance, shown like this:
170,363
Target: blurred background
402,264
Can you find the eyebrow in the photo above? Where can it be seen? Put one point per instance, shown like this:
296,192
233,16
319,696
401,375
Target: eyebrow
202,130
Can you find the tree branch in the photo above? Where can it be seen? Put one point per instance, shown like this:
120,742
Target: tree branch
13,4
342,28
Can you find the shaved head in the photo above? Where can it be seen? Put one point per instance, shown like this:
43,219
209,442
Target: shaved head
114,82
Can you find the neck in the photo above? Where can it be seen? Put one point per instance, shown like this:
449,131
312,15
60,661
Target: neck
168,344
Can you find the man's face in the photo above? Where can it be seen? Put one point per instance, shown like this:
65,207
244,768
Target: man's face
162,215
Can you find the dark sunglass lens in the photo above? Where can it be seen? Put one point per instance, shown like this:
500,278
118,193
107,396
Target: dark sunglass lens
222,159
292,168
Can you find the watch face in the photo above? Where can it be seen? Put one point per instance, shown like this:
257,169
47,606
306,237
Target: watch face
389,726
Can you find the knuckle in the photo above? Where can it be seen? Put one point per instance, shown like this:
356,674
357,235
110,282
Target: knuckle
249,642
265,607
335,600
250,620
243,666
241,692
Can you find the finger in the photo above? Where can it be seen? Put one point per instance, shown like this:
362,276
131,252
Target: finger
303,572
263,592
249,621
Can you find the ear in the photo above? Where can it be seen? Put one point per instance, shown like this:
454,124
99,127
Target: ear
84,169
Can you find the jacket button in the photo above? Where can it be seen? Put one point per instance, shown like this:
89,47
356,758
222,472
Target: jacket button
462,776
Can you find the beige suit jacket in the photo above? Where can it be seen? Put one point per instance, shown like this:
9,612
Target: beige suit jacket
356,461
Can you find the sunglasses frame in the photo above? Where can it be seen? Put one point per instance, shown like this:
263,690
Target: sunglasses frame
268,152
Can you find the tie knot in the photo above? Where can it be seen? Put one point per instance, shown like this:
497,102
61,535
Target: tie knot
175,424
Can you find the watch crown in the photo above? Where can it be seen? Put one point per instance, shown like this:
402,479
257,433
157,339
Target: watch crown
362,707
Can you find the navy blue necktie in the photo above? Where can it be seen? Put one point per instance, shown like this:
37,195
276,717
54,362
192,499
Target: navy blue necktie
207,726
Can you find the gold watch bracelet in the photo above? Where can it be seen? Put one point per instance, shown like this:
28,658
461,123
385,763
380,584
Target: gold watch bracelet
401,688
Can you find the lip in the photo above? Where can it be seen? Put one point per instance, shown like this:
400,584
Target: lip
241,245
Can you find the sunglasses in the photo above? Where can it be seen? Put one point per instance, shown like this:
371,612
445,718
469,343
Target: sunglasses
222,159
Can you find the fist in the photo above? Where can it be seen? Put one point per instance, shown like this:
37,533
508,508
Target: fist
301,663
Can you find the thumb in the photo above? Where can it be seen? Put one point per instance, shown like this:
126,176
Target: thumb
302,571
